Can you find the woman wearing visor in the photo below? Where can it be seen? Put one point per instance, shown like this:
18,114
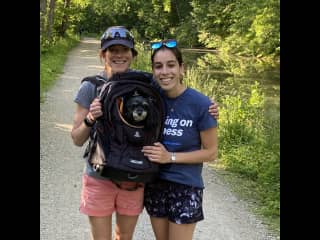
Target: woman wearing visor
100,197
174,200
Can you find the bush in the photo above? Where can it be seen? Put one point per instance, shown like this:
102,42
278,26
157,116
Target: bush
249,144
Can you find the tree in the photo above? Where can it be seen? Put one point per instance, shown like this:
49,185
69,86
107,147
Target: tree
64,24
43,13
52,5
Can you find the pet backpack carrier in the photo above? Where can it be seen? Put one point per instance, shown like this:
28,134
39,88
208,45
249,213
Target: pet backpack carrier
114,149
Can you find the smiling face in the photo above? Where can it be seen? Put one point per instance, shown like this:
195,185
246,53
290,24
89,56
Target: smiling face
117,59
167,71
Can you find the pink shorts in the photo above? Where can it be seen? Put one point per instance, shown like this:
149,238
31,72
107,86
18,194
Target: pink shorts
102,197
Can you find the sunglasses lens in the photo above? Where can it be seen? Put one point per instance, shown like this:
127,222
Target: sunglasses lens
171,44
168,43
117,33
156,45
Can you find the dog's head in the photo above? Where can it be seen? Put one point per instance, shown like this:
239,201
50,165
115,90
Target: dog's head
135,108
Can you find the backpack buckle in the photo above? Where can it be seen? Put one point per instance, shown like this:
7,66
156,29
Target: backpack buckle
97,167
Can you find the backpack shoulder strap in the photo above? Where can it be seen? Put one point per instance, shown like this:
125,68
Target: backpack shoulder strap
97,80
133,75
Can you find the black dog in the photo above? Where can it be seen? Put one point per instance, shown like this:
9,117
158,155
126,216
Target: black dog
136,109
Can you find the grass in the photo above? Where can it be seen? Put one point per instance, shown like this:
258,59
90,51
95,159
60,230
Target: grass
52,60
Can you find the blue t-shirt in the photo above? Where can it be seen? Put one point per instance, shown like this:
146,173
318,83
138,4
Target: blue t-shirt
187,116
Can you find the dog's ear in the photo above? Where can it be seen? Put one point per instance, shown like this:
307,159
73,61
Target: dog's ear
126,113
136,93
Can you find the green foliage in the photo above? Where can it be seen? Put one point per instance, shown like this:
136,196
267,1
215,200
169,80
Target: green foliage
209,40
143,60
249,144
237,65
52,61
185,34
266,32
242,159
201,81
70,16
212,18
209,62
242,27
242,118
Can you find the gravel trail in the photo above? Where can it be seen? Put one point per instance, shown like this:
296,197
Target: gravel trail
61,167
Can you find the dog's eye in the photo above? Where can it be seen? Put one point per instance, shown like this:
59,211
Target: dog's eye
145,104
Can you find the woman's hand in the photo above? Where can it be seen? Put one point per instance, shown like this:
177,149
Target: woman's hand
213,109
95,109
157,153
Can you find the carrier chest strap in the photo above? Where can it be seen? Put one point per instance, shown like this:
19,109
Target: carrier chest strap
134,187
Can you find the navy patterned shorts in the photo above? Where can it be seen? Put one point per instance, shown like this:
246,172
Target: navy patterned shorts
178,202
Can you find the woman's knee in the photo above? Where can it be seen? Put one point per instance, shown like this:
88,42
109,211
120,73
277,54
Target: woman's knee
101,228
125,226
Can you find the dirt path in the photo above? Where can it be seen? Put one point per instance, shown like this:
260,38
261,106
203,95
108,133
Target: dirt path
61,167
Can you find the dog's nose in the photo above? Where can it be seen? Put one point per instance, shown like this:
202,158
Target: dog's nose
139,112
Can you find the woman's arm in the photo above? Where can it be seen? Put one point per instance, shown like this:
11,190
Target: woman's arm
209,152
80,131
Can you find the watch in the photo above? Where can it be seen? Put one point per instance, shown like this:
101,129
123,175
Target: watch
173,157
88,122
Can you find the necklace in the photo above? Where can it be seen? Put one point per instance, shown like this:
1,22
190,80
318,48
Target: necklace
172,102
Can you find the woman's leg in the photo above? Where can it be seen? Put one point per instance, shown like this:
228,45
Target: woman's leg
97,201
181,231
125,226
160,227
174,209
166,230
100,227
129,205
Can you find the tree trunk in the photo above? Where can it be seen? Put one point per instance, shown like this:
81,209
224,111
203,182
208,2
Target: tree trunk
52,5
43,13
65,19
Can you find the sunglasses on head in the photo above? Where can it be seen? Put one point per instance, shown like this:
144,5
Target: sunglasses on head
117,33
170,43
